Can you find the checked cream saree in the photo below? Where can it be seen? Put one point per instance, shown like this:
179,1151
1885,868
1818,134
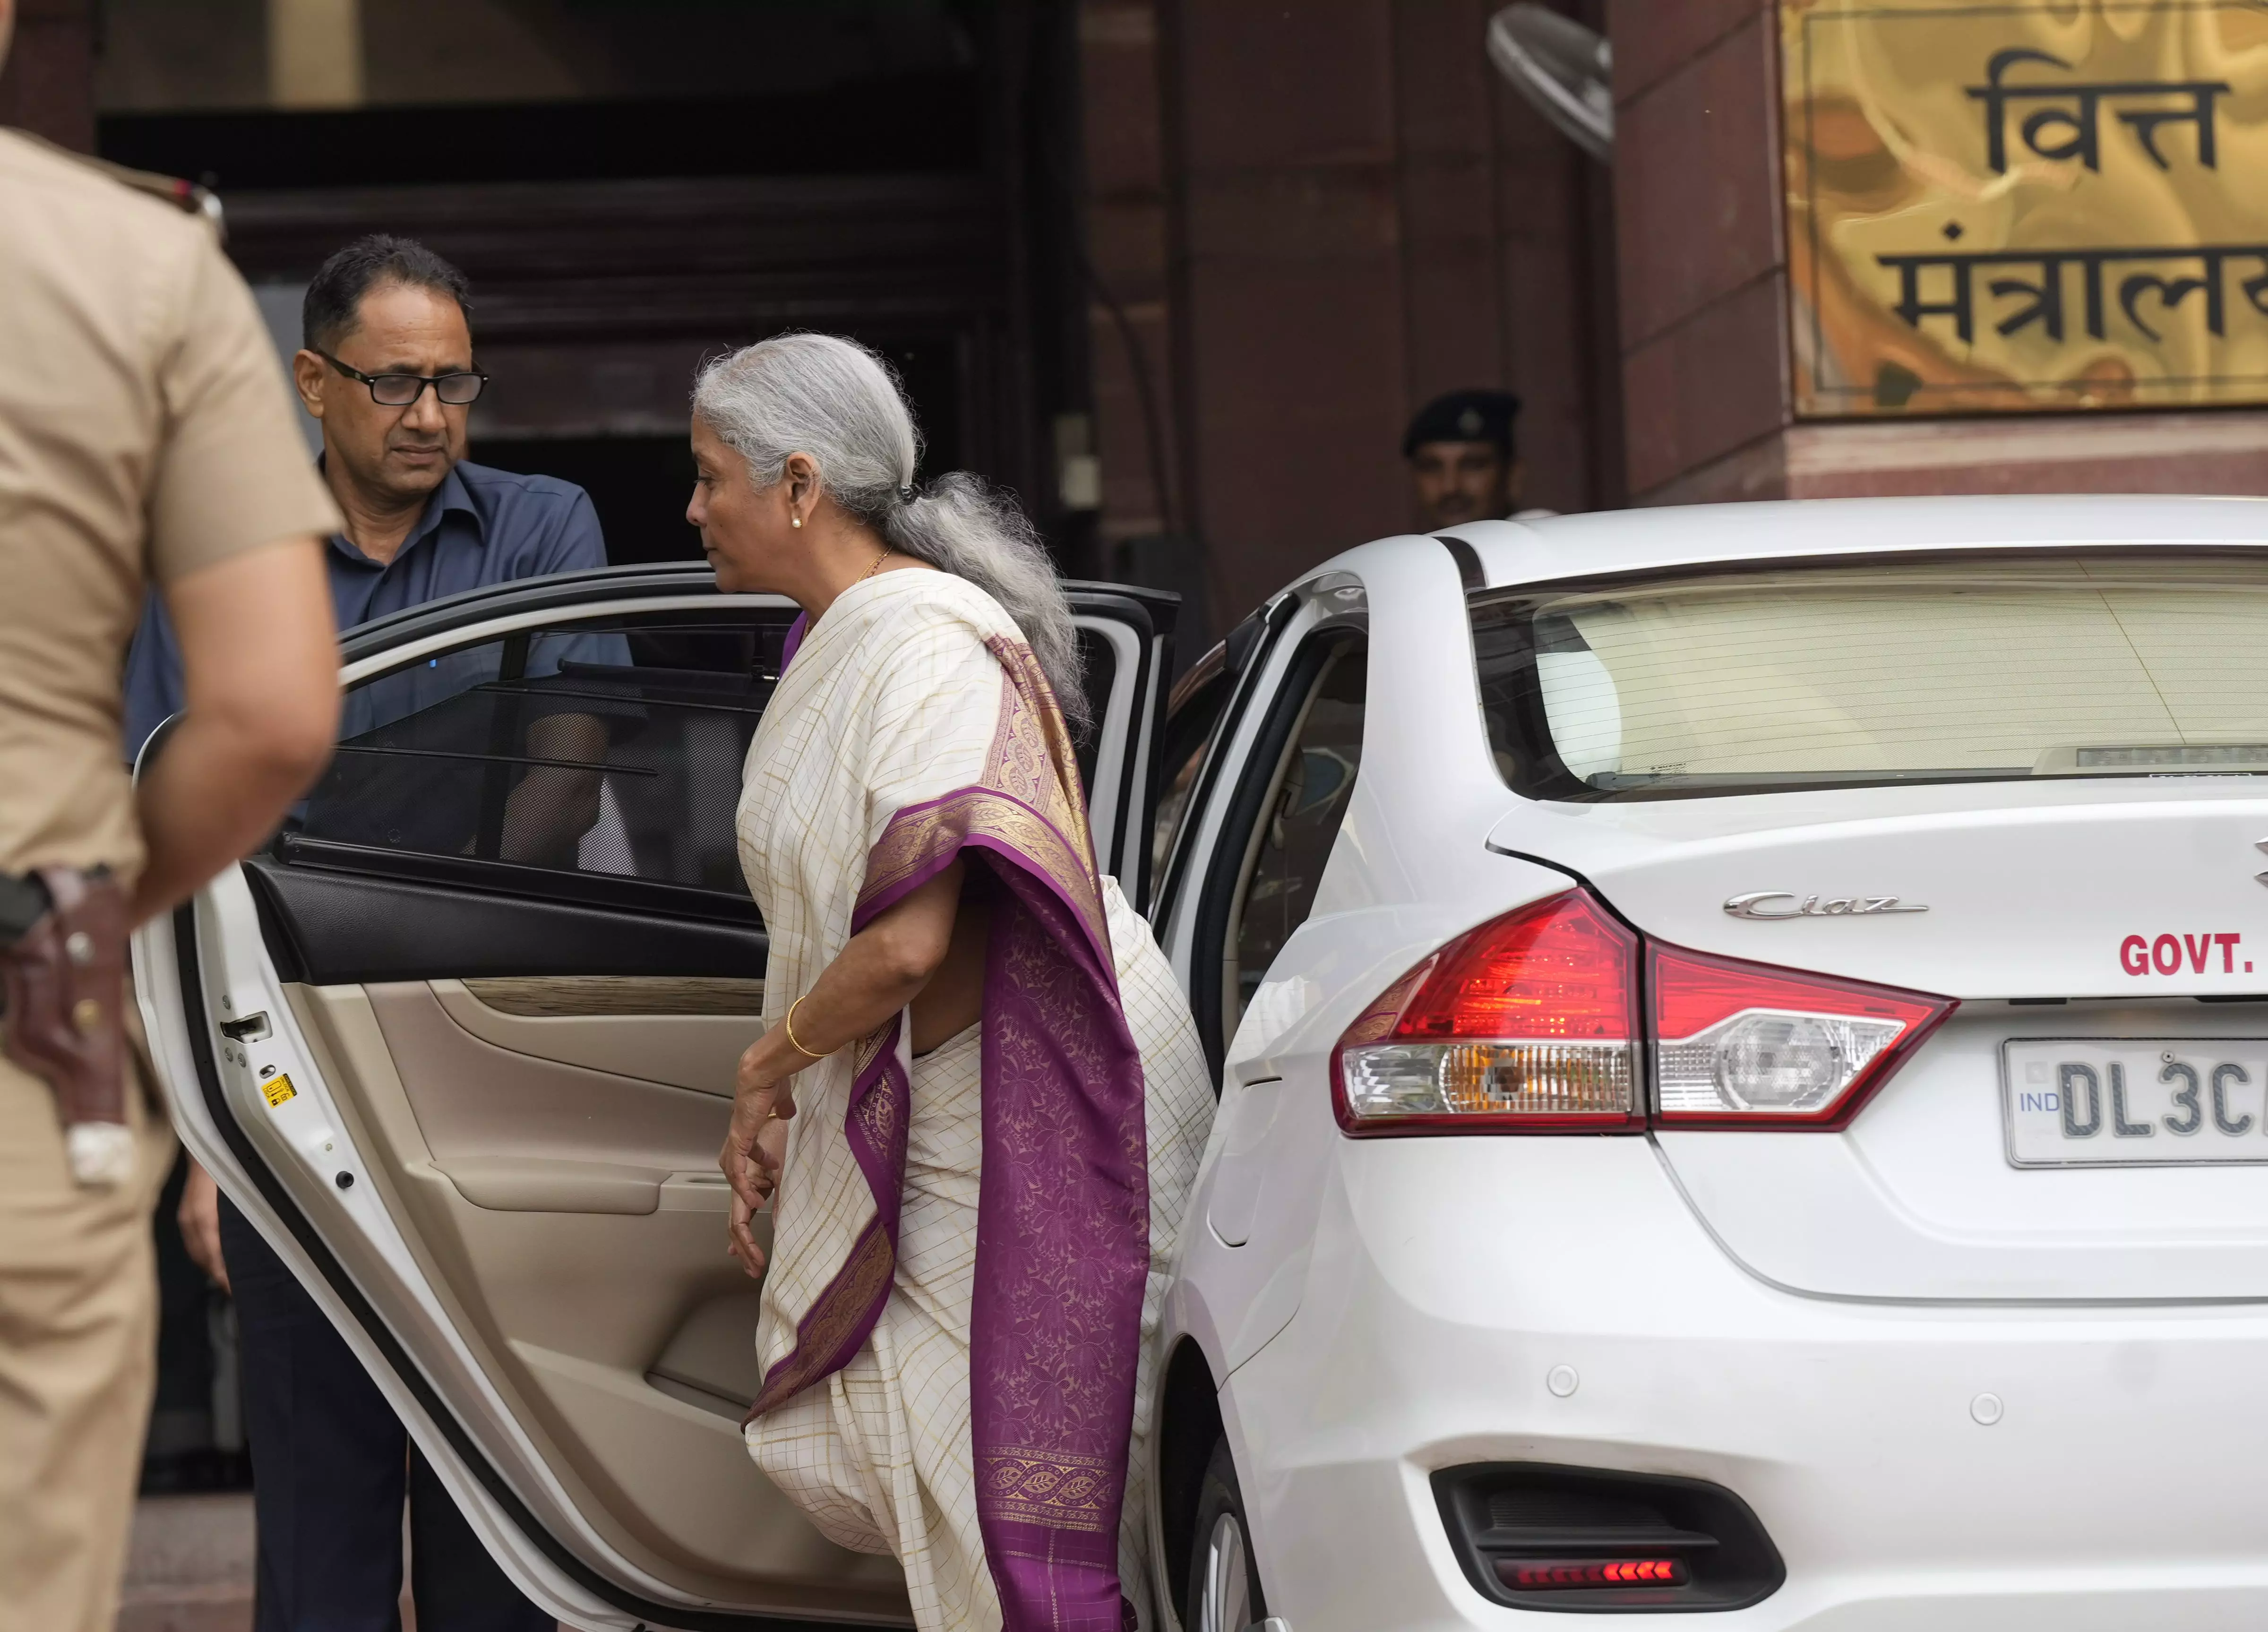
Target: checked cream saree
970,1247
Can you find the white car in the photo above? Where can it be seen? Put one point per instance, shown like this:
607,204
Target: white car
1745,1081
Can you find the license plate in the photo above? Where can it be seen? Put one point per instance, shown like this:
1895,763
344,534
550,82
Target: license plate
2141,1102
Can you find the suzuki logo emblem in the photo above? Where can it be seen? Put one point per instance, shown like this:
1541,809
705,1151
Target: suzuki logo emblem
1787,904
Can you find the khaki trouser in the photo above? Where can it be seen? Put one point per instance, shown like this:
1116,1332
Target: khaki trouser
78,1317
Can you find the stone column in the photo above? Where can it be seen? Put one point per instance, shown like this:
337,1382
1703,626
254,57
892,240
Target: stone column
1307,220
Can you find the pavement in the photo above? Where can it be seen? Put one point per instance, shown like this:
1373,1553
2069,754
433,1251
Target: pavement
188,1567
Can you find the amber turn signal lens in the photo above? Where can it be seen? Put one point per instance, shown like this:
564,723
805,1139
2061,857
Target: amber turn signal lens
1528,1022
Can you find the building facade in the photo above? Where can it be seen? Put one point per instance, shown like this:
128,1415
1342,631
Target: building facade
1178,273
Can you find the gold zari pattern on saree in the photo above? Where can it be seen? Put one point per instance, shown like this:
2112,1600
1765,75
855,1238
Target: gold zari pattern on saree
1054,1487
1027,800
863,1281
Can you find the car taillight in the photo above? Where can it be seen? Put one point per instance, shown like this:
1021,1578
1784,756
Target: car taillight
1529,1021
1747,1044
1557,1575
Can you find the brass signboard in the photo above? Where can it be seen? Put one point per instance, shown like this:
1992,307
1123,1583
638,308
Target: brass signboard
2034,204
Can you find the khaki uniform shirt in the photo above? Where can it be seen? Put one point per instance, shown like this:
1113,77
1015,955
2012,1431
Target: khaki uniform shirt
145,432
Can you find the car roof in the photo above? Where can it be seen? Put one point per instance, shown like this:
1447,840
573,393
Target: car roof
1636,540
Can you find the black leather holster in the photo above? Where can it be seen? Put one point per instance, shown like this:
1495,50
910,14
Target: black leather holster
64,975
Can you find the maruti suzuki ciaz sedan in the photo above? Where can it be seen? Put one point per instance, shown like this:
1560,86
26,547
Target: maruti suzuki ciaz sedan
1743,1042
1744,1036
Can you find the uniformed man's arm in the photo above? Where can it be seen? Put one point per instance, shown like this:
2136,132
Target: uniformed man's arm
260,669
236,514
260,673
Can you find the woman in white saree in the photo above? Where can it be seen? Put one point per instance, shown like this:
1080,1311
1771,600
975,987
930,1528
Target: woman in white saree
979,1103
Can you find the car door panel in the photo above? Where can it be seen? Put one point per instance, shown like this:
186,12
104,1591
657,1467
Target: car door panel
711,1359
569,1279
522,1075
576,1293
657,1044
1128,652
1263,808
474,1100
331,927
586,996
388,1294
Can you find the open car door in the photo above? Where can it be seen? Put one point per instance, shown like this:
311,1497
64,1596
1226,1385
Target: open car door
461,1042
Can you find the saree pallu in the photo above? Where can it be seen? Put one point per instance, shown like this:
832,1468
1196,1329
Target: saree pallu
970,1249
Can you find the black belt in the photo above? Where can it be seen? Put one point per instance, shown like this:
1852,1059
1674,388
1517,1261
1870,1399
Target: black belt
23,903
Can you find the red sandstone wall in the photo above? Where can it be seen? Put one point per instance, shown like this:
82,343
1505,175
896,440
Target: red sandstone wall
1313,218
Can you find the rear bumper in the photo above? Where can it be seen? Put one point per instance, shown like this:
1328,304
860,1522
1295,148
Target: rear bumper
2124,1484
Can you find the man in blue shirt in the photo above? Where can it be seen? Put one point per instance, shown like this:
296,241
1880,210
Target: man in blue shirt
422,521
386,366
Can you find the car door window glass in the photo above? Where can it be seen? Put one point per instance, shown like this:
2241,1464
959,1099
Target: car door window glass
1098,663
610,747
1292,839
1191,725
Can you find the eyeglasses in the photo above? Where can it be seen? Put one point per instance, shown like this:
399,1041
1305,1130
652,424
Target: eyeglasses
402,390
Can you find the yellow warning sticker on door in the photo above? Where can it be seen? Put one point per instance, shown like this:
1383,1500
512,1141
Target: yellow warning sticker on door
278,1088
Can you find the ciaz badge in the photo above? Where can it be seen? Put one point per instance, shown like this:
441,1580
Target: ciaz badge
1787,904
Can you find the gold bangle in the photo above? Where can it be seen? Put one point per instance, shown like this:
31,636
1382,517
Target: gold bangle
787,1025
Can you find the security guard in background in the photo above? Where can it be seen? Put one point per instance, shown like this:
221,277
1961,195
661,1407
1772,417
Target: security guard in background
1463,466
145,437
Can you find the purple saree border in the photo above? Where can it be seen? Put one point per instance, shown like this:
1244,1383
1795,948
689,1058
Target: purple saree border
791,641
1062,1258
968,835
843,1314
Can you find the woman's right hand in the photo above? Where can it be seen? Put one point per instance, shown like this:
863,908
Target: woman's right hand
750,1160
884,968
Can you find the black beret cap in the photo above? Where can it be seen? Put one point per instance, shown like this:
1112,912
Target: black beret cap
1463,416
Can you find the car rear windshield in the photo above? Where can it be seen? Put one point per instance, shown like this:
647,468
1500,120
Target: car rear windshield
1969,669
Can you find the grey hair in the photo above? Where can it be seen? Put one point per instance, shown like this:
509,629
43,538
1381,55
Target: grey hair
838,402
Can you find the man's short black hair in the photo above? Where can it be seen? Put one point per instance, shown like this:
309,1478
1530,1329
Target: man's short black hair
333,308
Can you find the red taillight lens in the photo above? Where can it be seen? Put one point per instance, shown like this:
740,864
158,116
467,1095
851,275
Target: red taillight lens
1528,1022
1553,1575
1531,1023
1746,1044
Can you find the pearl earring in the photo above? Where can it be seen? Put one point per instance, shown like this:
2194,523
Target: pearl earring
795,521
